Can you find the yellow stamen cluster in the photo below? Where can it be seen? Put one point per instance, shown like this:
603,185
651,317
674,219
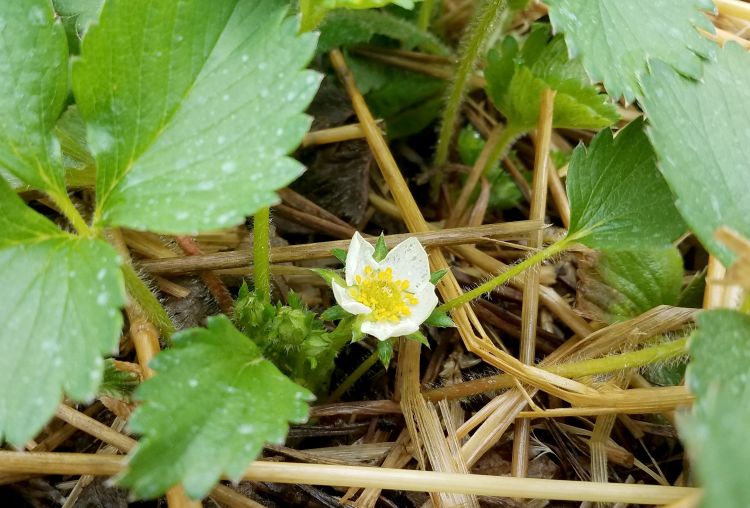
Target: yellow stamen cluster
388,298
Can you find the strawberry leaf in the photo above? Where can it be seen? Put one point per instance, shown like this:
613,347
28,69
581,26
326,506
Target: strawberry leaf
64,314
33,88
621,284
212,405
517,76
714,430
616,39
700,132
618,198
190,108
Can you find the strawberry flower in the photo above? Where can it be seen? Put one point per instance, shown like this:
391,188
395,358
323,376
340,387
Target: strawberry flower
392,296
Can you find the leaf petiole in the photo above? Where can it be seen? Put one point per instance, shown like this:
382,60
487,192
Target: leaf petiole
261,254
512,271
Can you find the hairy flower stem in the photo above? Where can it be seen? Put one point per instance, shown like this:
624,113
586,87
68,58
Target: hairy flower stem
425,14
512,271
354,377
261,254
472,43
632,359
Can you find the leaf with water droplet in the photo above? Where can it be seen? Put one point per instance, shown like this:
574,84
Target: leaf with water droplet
187,108
701,133
618,198
33,89
715,430
207,413
615,39
60,315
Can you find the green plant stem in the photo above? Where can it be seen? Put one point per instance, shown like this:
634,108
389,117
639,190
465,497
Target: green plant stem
425,14
628,360
472,43
571,370
511,272
354,377
261,254
148,303
69,210
497,144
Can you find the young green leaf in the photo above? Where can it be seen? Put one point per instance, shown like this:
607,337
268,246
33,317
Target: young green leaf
33,88
213,403
64,294
117,383
700,133
516,78
618,198
208,100
313,11
617,285
616,39
349,28
715,430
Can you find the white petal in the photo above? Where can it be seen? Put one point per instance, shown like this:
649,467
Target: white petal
383,330
427,301
346,301
408,260
358,256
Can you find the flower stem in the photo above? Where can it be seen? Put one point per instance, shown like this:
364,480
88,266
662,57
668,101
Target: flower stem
472,43
69,210
261,254
354,377
148,303
425,14
511,272
627,360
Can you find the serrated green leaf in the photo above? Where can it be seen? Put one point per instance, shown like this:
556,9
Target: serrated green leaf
191,108
516,79
716,429
618,198
60,314
385,352
344,28
622,284
33,88
313,11
439,319
700,133
616,39
208,411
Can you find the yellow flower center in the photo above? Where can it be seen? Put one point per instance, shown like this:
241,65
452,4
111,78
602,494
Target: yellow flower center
388,298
